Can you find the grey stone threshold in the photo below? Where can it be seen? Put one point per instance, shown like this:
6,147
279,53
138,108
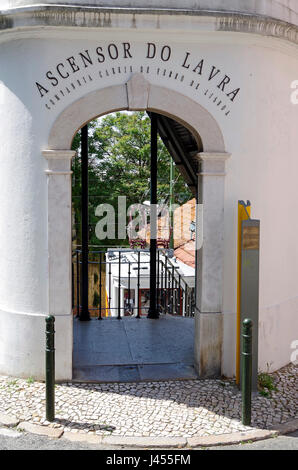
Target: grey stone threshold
134,373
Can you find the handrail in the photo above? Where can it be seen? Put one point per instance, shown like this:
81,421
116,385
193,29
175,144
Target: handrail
174,296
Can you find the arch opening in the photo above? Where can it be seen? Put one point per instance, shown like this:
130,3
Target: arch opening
206,146
119,261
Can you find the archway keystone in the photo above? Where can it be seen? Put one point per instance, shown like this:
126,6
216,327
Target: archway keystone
137,92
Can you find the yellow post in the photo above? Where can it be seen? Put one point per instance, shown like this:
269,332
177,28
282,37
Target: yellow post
243,214
107,312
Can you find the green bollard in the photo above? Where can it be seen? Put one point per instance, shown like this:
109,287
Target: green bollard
246,371
50,369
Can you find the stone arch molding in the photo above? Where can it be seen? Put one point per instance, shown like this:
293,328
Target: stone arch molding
137,94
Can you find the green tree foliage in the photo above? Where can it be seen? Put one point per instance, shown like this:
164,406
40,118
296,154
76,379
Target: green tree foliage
119,165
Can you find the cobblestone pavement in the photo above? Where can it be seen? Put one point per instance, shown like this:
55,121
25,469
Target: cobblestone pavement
173,408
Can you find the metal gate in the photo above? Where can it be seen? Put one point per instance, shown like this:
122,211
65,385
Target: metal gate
119,284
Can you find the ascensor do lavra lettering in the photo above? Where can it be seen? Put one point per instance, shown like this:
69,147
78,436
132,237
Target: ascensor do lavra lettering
118,54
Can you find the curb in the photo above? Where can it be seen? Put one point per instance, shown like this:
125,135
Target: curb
40,430
152,442
230,439
172,442
147,442
8,421
286,428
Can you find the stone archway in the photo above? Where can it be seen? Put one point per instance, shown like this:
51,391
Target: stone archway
139,94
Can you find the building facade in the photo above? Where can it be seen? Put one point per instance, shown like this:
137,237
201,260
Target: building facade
226,70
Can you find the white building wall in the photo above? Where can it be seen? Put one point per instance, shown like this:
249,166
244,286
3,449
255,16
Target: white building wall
285,10
263,169
24,273
260,132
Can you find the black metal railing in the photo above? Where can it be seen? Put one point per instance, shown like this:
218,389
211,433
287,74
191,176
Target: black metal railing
119,283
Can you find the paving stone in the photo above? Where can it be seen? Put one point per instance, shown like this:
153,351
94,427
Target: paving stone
145,441
82,437
40,430
233,438
149,409
8,420
9,432
286,428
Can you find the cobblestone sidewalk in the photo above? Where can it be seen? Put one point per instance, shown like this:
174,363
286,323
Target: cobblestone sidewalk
155,409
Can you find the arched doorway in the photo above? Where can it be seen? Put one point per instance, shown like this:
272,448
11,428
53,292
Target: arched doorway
138,94
118,274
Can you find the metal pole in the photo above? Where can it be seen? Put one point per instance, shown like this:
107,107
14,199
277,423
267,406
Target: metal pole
153,312
165,289
72,286
179,295
119,288
130,308
172,171
50,368
138,285
158,284
161,295
100,288
110,289
172,296
78,285
246,371
84,313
